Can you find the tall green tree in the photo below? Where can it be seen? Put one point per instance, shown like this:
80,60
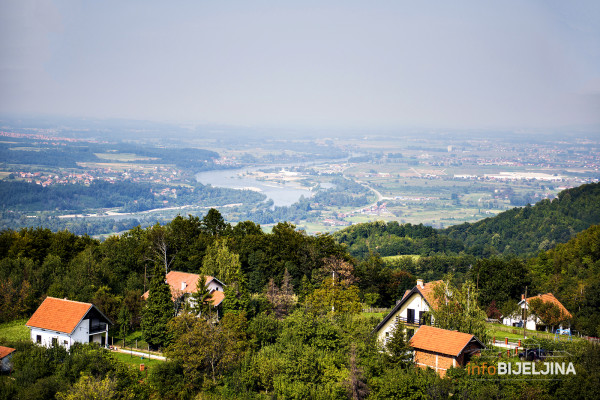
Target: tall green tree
158,311
201,304
207,350
221,263
457,309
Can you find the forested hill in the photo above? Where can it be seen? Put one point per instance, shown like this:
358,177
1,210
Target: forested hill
521,231
530,229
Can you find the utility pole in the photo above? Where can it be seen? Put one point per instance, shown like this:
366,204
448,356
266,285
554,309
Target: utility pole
525,319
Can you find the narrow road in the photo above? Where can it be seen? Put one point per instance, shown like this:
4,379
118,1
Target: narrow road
139,353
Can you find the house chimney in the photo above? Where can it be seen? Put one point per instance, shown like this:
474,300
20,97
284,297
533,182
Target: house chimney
183,285
420,282
522,297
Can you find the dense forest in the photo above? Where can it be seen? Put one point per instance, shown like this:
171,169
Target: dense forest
128,196
523,231
27,152
288,330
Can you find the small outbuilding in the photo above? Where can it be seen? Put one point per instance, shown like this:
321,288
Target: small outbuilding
441,349
5,358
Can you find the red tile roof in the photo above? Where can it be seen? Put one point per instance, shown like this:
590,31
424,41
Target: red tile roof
549,297
59,315
175,280
406,293
427,291
440,340
217,297
4,351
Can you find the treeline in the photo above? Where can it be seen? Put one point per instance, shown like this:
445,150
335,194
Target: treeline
518,232
68,156
528,230
129,196
58,156
392,238
290,323
345,193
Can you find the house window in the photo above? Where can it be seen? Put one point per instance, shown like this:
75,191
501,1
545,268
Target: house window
410,316
65,342
54,342
421,317
38,339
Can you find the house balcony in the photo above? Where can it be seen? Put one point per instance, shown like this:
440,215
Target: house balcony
98,327
415,321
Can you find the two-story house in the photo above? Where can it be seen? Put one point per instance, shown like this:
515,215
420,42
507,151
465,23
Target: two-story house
64,322
183,284
410,310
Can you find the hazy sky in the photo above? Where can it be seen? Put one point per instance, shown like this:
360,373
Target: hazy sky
341,63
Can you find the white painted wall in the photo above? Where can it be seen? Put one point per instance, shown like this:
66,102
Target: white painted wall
214,285
79,335
47,337
416,302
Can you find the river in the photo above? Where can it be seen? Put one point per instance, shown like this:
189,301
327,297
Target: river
281,194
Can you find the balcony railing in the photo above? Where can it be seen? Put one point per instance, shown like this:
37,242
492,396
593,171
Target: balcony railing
98,327
415,321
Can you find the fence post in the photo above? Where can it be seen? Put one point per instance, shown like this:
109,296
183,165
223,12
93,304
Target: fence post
506,341
519,342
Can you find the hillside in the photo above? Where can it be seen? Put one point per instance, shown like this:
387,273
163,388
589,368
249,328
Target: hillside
522,231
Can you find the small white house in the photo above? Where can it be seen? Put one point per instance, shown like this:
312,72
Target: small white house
64,322
410,310
533,323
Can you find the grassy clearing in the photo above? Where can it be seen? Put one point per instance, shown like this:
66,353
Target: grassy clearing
14,330
133,339
500,332
414,257
136,360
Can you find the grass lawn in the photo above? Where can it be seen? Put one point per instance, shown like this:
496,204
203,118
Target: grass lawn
134,339
135,360
502,331
14,330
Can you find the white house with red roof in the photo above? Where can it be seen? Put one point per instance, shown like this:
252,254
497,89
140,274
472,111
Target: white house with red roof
533,322
183,284
64,322
410,310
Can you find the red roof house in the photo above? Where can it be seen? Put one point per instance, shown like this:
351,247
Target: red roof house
63,322
441,349
184,283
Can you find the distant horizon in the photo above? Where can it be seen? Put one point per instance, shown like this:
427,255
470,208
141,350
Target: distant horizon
314,131
343,65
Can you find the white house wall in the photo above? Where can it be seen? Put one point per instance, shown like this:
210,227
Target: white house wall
47,337
79,335
213,285
416,302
